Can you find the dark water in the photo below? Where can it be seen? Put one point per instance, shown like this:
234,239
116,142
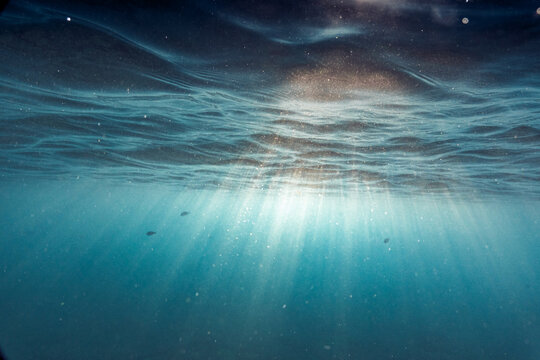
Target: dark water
351,179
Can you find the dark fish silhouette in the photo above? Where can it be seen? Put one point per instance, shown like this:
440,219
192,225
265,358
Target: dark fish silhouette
184,213
387,240
150,233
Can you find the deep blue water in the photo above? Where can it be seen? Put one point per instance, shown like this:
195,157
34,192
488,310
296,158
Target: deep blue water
353,179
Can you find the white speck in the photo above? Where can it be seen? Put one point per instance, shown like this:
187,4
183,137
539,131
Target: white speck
284,306
538,11
196,294
465,20
68,18
327,347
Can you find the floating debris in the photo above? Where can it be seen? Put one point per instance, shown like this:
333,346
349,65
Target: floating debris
184,213
387,240
150,233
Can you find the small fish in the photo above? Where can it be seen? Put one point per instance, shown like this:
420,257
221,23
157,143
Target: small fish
184,213
387,240
150,233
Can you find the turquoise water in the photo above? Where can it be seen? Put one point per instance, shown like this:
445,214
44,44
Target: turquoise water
279,276
269,180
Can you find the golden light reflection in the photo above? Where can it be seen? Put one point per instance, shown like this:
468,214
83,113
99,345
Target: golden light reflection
339,75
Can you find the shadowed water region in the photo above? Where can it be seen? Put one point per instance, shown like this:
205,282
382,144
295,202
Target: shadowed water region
322,179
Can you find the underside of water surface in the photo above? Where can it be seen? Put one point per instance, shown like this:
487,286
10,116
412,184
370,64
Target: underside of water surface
355,179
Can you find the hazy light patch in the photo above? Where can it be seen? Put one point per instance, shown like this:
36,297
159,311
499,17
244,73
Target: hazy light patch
297,34
340,74
311,35
332,84
393,6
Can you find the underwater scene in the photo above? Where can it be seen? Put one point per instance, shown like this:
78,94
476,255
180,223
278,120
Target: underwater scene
242,179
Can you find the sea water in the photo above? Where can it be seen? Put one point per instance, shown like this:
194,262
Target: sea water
245,180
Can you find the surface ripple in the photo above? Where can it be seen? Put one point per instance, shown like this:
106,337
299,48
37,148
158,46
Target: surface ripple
323,104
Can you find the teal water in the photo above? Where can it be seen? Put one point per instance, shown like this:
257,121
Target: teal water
270,180
264,275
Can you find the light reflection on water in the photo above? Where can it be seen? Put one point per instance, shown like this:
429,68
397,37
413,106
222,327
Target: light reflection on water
441,108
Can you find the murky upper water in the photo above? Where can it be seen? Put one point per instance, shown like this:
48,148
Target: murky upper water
355,179
328,96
